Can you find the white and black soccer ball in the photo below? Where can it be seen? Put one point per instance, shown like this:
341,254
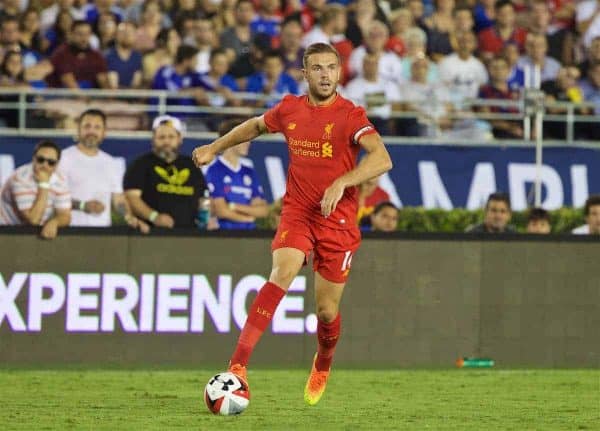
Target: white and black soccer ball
226,394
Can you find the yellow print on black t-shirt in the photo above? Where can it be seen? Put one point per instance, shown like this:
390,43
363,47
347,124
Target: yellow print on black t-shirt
175,179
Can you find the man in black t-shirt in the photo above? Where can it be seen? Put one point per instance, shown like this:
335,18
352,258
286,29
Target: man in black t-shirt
163,186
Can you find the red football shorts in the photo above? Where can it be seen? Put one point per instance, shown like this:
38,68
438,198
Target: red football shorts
332,249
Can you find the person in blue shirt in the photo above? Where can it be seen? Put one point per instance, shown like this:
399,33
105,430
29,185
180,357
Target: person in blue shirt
124,63
272,80
237,196
182,77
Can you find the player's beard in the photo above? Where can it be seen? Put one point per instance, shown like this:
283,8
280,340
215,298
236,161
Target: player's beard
322,95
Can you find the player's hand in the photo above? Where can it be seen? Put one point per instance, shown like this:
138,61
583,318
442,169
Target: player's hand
93,207
50,229
331,197
203,155
164,220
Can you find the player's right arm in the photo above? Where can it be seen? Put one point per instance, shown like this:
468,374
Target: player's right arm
245,132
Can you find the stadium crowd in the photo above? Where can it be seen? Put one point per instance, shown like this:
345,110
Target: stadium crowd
427,57
423,56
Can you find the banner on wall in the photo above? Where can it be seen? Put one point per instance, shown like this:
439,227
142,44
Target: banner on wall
432,176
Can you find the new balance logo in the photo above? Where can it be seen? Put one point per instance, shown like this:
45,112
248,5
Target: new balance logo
291,126
327,150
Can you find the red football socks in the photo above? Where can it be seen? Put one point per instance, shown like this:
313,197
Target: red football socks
328,335
259,316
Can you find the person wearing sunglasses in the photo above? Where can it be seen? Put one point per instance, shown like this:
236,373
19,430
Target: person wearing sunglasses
36,194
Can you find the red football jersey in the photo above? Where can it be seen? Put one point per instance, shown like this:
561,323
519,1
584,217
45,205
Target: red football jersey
323,145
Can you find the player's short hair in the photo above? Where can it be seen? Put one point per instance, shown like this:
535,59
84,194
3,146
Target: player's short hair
590,202
383,205
319,48
228,125
538,214
47,144
93,113
498,197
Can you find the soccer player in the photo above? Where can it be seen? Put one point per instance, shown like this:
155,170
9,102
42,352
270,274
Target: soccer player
324,133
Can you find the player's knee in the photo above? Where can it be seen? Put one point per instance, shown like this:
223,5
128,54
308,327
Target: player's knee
327,313
282,276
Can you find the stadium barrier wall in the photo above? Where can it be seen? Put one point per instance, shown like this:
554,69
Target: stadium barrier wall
431,176
112,297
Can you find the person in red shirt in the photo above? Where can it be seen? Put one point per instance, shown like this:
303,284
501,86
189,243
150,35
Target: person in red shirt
493,39
369,195
324,134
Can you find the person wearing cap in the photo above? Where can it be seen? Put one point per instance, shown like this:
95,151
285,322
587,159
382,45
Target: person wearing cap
94,177
163,186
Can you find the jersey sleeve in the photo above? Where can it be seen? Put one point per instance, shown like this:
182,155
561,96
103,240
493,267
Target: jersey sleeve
135,176
273,118
359,125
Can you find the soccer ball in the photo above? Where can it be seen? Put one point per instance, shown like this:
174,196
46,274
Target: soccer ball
226,394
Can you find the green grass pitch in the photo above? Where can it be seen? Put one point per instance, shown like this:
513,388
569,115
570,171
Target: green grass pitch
450,399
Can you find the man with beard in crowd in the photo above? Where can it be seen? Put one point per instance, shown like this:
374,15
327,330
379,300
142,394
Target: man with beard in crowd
94,177
163,186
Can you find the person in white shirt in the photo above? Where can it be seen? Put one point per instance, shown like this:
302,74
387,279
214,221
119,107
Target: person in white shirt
35,194
592,217
373,93
390,68
94,177
461,71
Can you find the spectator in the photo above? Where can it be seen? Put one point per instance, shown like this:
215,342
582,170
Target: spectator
538,221
592,217
205,41
390,68
272,81
291,50
93,11
516,76
224,15
249,63
150,26
94,177
560,40
369,196
431,100
332,26
440,26
12,71
31,37
384,217
167,44
592,56
496,217
587,19
416,44
491,40
237,196
107,30
498,89
10,40
36,194
10,9
183,78
417,9
536,47
124,63
218,80
563,15
463,22
373,93
163,186
401,20
564,89
268,18
236,38
76,64
461,71
590,86
311,13
484,14
362,15
49,16
59,32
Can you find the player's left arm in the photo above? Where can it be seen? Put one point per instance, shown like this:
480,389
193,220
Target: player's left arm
374,163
